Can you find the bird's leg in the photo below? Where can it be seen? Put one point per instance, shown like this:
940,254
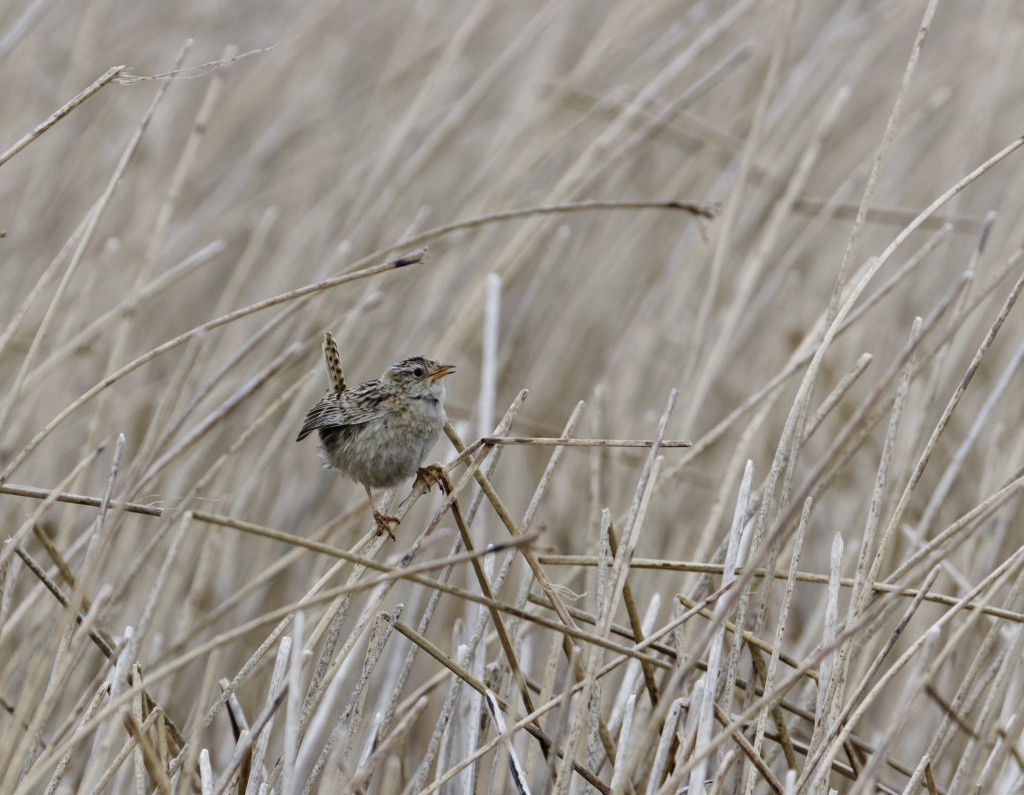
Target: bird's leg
434,474
383,521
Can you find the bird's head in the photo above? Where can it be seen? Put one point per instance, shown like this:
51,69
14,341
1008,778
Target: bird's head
418,377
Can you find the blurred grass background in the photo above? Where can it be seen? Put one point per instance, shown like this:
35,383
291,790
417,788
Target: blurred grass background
329,132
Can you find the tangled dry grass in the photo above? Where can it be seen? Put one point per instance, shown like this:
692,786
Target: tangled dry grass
790,233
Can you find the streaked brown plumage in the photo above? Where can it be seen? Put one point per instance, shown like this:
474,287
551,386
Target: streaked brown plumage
379,432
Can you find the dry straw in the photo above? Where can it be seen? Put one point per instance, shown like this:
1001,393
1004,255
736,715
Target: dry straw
733,461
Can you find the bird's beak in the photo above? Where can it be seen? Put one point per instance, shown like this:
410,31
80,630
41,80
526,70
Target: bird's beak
442,371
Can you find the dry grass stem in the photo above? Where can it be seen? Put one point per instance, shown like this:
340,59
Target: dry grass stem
731,482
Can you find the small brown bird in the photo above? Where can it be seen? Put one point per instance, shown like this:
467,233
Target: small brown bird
379,432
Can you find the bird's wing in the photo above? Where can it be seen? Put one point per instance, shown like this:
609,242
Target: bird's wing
340,410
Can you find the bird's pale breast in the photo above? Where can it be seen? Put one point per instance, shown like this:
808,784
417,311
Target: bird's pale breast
385,451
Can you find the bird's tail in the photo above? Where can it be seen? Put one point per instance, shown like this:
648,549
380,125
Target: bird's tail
335,376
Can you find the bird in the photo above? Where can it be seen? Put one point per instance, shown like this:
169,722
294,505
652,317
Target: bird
379,432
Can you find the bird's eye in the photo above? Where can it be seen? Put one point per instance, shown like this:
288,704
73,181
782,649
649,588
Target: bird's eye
418,372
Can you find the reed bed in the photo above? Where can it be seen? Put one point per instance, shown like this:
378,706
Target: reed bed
734,448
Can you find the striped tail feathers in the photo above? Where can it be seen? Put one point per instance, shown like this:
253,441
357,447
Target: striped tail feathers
335,376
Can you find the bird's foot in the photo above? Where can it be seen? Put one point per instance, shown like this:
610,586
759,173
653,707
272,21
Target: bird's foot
434,474
385,522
